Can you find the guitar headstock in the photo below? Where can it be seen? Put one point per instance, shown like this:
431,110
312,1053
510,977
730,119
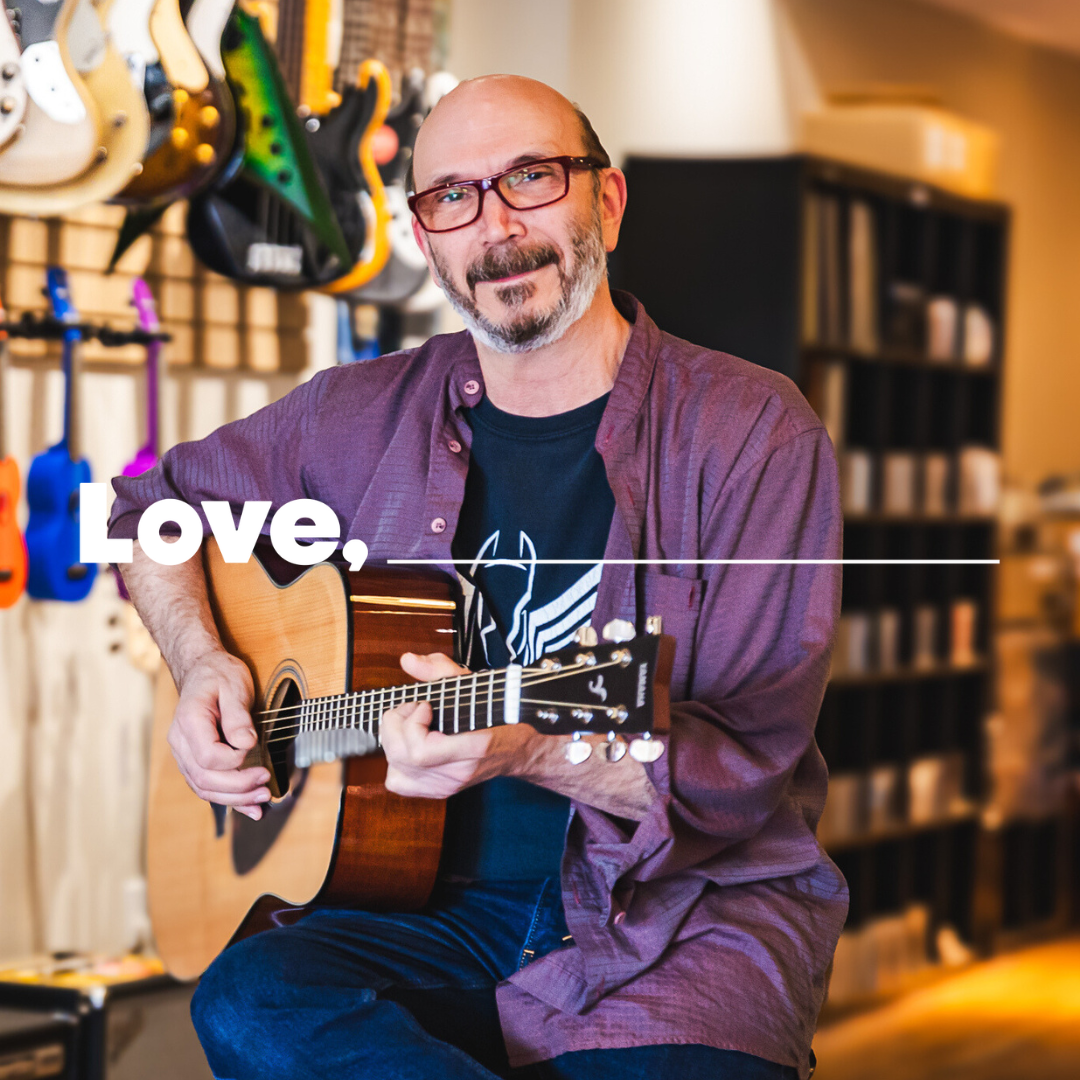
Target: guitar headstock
143,300
56,287
617,689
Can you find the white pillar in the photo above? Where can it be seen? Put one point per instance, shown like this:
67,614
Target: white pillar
701,78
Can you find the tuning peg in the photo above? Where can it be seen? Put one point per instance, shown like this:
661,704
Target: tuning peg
577,750
654,624
585,636
619,630
646,748
615,748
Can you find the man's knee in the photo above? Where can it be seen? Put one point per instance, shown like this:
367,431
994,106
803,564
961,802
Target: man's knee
234,996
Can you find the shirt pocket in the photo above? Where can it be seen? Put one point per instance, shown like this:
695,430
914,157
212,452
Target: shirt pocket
677,601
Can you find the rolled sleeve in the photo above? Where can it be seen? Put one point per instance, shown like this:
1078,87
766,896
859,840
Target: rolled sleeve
258,458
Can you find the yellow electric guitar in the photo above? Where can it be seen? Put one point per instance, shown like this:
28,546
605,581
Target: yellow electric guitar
204,125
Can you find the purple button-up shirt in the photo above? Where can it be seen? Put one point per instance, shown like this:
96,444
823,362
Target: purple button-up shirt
714,919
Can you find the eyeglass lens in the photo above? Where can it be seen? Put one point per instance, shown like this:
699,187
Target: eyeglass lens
524,188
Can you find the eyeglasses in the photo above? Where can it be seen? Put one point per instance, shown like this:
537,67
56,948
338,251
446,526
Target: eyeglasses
524,187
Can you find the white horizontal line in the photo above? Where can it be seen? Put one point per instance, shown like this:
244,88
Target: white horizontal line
704,562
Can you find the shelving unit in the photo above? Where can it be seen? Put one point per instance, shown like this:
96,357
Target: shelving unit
884,300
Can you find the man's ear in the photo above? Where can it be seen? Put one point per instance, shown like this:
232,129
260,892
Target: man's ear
612,199
422,242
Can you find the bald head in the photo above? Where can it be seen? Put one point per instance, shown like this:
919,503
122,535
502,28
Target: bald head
507,115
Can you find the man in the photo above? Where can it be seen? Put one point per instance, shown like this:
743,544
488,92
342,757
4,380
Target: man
599,919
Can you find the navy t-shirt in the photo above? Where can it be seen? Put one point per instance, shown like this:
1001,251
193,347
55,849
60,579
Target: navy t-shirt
536,489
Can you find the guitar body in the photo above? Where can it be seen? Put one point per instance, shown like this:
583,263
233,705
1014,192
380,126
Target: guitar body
117,103
203,131
60,121
52,533
272,222
337,835
12,545
12,84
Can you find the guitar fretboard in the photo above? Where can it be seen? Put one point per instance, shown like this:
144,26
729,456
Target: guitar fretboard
342,725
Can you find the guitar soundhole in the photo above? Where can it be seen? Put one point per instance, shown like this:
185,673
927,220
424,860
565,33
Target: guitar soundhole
251,840
283,718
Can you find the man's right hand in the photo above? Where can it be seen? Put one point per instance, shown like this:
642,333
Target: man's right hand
212,732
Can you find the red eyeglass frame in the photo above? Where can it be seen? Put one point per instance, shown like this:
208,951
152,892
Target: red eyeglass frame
489,183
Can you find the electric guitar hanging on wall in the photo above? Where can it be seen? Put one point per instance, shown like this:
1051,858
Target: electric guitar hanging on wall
12,85
12,545
323,647
52,486
87,132
204,126
271,222
59,139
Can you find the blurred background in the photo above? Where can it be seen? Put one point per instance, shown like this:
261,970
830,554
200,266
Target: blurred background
877,198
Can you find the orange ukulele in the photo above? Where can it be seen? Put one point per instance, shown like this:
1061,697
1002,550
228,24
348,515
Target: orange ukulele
323,647
12,544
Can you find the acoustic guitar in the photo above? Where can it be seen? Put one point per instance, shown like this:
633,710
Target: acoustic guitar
84,80
12,545
52,486
323,647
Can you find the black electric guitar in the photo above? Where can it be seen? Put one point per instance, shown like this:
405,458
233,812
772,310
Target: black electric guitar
291,216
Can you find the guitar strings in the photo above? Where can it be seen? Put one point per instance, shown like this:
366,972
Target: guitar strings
535,674
481,700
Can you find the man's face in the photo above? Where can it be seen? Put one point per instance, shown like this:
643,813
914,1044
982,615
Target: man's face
518,278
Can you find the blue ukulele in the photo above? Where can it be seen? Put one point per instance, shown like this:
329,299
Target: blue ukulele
52,487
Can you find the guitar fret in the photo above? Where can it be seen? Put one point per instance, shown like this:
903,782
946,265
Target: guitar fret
442,703
491,693
457,698
472,706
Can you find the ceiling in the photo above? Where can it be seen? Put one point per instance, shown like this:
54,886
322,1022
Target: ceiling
1049,22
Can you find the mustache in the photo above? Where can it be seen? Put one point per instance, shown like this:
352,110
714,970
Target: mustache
506,262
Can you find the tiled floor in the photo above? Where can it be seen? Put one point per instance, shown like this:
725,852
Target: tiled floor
1016,1017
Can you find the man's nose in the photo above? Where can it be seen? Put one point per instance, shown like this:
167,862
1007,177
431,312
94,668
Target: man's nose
497,220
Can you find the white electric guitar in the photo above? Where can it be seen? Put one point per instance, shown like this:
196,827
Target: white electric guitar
12,84
60,123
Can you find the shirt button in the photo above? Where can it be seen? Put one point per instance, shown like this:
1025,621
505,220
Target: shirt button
455,446
472,387
438,525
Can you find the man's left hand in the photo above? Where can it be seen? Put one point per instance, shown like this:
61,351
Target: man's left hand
432,765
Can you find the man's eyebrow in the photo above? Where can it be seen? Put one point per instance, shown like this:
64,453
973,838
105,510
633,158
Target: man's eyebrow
521,159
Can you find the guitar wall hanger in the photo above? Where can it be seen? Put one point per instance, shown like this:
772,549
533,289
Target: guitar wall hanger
47,328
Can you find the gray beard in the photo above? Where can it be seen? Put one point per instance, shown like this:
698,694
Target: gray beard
524,334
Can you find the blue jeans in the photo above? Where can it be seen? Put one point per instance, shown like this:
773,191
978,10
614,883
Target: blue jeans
356,994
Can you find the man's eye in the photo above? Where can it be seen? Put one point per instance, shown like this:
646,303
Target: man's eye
525,176
451,196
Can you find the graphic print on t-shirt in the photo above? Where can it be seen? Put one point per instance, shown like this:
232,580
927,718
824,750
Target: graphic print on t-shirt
536,627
